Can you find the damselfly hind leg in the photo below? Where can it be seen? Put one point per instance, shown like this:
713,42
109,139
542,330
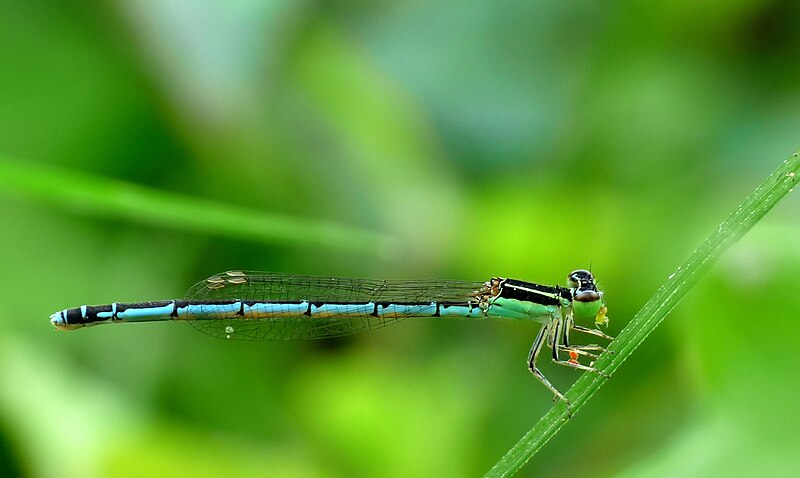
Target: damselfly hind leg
573,363
540,340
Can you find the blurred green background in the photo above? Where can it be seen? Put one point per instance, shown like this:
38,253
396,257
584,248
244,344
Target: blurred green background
456,140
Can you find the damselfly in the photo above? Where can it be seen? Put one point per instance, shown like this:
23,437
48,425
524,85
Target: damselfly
261,305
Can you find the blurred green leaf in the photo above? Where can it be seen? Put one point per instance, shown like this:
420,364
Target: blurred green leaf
118,199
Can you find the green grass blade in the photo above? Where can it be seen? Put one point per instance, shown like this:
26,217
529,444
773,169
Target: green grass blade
766,195
118,199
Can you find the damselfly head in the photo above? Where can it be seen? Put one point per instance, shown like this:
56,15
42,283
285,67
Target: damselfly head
581,279
584,288
587,301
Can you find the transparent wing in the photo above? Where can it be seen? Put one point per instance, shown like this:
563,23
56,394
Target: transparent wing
292,289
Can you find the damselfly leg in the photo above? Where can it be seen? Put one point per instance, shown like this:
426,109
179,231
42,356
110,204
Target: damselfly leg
540,340
556,333
595,332
584,350
560,336
580,350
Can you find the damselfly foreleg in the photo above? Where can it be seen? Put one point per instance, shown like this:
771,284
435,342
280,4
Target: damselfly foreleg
595,332
577,349
585,350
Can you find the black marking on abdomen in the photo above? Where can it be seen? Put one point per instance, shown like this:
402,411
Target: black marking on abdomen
122,307
181,304
74,316
92,311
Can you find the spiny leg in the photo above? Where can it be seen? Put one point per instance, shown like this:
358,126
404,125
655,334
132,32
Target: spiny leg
595,332
541,337
566,346
577,350
581,349
575,364
594,347
566,323
584,349
559,341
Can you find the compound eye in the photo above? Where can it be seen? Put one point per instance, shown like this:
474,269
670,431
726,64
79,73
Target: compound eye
574,278
573,281
580,278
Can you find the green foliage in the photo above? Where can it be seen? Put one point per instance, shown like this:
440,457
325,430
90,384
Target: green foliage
103,197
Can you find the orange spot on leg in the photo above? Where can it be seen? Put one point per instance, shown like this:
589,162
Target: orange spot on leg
573,357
